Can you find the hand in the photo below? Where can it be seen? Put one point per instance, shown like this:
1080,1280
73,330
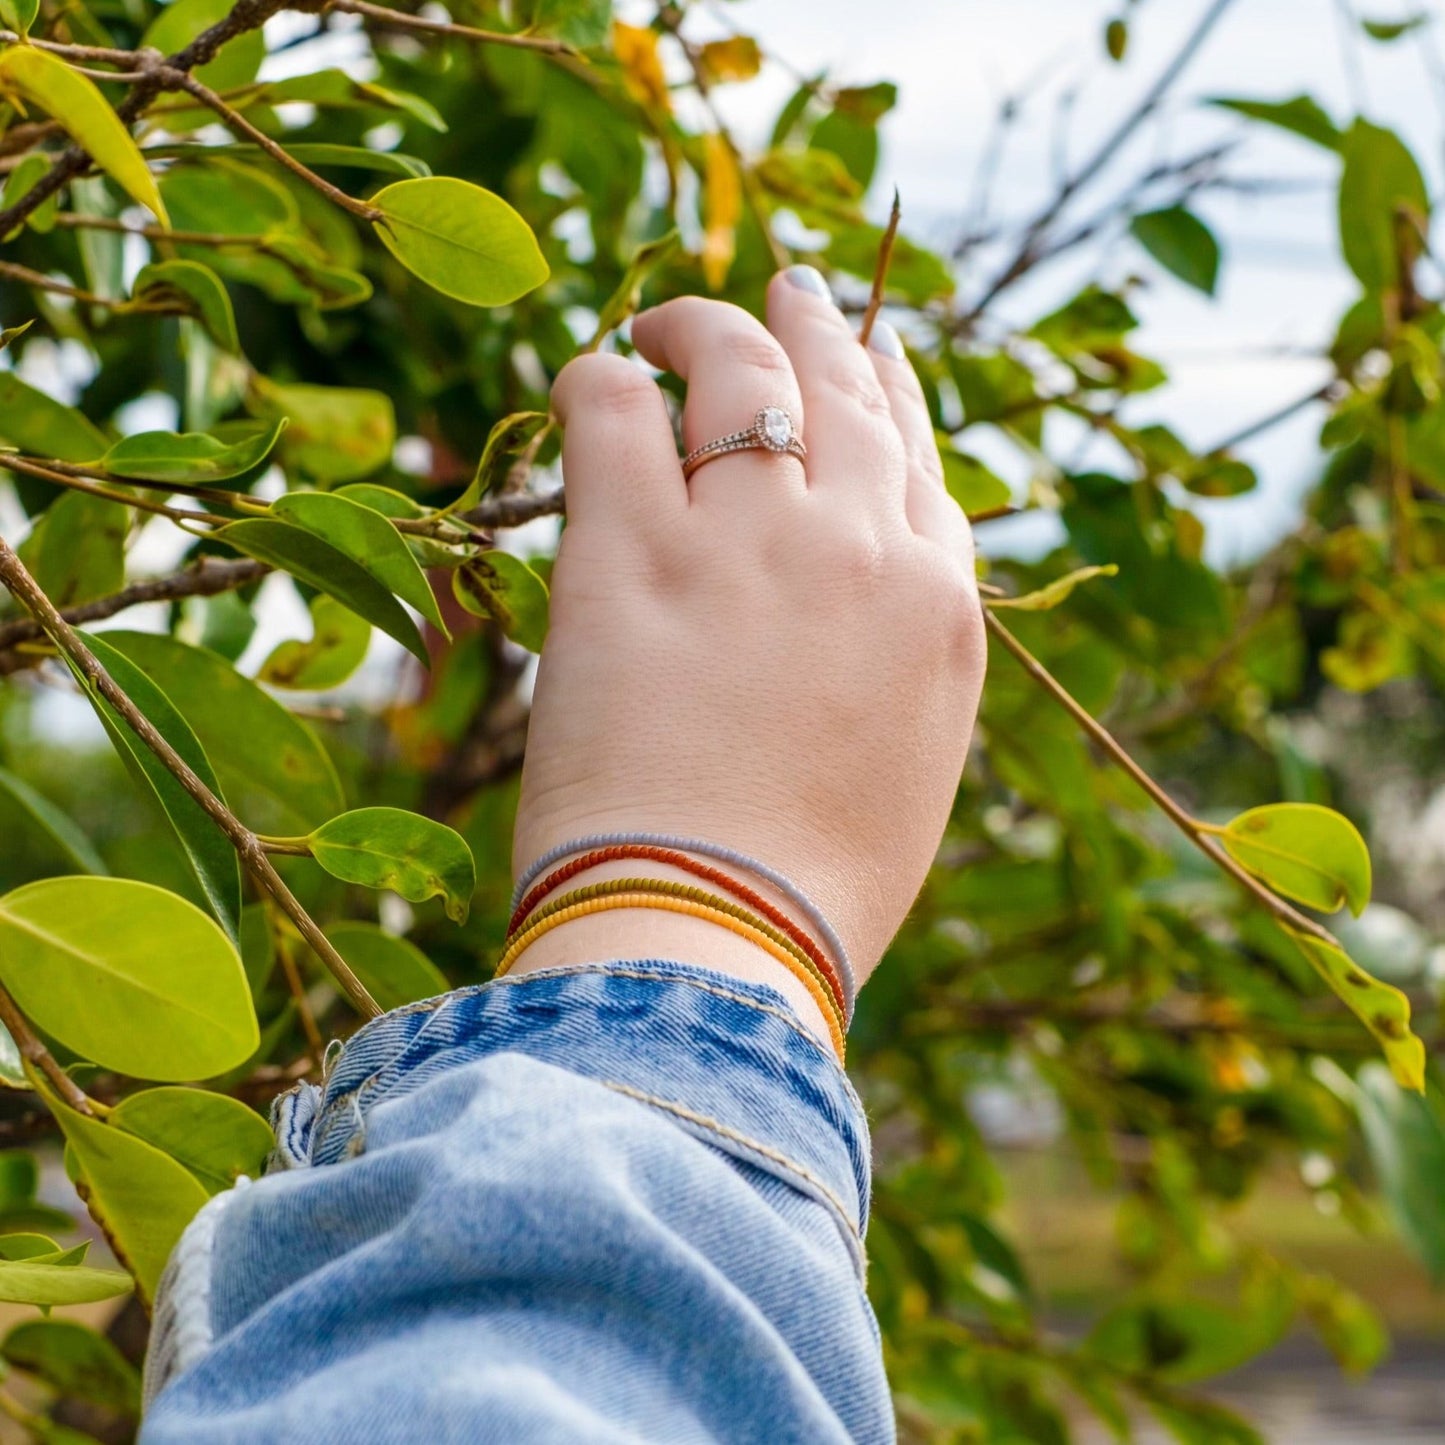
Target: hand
778,656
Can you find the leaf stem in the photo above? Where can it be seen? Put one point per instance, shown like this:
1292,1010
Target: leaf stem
252,854
314,1040
1187,824
290,847
33,1050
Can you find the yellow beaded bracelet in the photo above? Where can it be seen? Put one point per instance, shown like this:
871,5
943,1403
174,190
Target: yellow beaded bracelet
522,941
697,895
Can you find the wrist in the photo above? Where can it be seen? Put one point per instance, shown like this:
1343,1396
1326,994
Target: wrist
643,933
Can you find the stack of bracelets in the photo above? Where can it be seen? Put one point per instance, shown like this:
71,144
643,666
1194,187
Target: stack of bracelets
535,911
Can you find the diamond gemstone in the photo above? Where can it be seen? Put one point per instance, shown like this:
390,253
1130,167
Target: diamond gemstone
776,426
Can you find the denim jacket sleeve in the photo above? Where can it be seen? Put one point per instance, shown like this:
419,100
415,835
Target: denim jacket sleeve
617,1202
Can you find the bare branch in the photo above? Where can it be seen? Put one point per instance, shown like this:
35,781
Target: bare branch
880,271
399,20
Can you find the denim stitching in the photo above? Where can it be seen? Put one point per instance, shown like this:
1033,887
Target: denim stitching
715,1126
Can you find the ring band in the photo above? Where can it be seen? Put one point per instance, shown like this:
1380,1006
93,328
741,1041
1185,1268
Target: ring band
772,431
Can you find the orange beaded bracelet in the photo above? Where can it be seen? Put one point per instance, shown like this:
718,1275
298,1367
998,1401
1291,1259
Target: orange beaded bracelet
697,895
533,932
680,860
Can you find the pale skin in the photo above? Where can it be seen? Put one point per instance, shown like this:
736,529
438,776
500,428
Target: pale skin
780,656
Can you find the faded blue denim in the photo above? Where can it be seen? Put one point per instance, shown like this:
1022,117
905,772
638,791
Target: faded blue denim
621,1202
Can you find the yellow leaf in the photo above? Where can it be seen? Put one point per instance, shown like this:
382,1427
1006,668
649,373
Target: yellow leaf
37,76
636,48
736,59
722,205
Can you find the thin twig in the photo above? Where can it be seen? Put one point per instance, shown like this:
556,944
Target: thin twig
1025,256
237,122
179,515
1274,419
1183,820
298,991
880,271
399,20
31,1048
207,578
74,160
253,856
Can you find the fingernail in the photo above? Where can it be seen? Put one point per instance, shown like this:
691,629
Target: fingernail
885,341
806,278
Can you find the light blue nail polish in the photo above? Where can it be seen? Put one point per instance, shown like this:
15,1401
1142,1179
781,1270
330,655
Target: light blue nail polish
885,341
807,278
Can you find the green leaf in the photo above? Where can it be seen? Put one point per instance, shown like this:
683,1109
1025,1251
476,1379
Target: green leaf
334,89
1388,30
12,1068
395,971
337,647
460,239
1093,319
1055,592
314,561
369,539
13,333
216,1137
273,770
357,158
647,260
235,64
1385,1011
258,946
501,586
1405,1135
506,438
31,1282
58,837
199,289
390,848
1201,1422
22,180
1384,207
997,388
139,1196
337,433
37,76
1301,116
1180,242
76,1362
76,551
1352,1332
189,457
81,957
209,855
27,1246
19,14
42,427
972,485
1308,853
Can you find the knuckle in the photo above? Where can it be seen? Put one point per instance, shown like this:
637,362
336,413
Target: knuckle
750,346
604,379
859,387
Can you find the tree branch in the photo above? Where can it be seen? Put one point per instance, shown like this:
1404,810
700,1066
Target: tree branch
400,20
207,578
1181,818
71,162
253,856
880,271
1025,256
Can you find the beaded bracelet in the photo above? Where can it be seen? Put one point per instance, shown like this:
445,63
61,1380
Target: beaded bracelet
708,850
533,932
697,895
671,856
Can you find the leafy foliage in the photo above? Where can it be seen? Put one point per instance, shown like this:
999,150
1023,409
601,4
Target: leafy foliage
321,315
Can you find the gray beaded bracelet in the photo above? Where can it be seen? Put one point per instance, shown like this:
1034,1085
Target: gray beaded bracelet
805,904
